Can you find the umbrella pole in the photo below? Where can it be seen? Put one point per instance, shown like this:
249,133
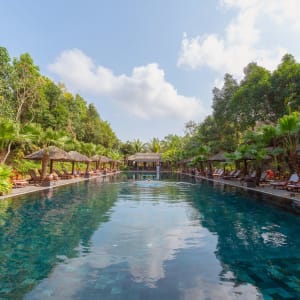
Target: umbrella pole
73,164
45,160
51,166
245,167
87,168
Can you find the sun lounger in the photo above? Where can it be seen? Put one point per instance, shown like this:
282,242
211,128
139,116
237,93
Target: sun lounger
17,183
293,187
233,175
249,180
219,173
35,178
63,175
283,184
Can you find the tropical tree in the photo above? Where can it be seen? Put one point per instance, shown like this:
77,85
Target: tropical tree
271,139
254,148
288,130
154,145
250,102
138,146
222,109
285,86
6,110
8,134
26,85
172,147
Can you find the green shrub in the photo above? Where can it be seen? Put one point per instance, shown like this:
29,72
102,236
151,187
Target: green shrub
124,168
5,183
23,166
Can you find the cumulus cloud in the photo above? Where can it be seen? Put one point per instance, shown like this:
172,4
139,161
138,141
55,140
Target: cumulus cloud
243,37
145,93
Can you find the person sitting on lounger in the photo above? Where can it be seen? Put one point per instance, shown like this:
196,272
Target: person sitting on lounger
270,174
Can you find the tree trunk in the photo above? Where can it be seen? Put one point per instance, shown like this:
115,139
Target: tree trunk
291,162
7,153
258,175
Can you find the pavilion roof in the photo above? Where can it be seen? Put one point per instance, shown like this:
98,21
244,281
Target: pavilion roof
145,157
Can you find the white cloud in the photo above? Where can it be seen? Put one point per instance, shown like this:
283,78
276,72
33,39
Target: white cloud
145,93
243,41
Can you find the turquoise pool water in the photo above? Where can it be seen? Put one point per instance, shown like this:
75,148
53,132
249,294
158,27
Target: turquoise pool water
151,239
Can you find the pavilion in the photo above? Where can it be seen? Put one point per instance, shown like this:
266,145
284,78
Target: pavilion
145,161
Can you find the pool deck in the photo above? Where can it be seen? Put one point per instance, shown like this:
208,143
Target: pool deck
288,198
31,188
280,197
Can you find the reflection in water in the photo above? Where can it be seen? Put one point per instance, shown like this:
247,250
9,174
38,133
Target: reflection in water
147,240
257,243
37,231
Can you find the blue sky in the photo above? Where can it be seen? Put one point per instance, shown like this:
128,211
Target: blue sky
149,66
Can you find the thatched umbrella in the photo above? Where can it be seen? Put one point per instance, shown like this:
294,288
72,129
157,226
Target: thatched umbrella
99,159
45,155
249,157
219,157
78,157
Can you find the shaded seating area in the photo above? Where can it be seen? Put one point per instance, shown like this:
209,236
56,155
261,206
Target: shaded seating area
47,156
104,164
248,178
34,176
74,157
17,180
145,161
232,175
63,175
19,183
292,181
52,154
218,173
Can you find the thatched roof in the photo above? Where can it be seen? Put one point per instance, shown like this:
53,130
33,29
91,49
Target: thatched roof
101,158
145,157
76,156
251,157
53,152
187,160
218,157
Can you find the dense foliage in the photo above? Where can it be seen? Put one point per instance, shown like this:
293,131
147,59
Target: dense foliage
36,112
260,111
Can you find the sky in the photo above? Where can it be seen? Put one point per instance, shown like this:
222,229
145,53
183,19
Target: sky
149,66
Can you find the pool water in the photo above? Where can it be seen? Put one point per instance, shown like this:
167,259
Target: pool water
170,238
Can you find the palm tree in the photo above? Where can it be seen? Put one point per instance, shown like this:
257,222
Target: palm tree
154,145
88,149
270,137
138,145
288,129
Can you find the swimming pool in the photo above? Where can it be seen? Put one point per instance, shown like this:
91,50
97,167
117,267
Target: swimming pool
147,239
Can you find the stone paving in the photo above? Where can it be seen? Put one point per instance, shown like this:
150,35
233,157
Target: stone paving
56,183
281,197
